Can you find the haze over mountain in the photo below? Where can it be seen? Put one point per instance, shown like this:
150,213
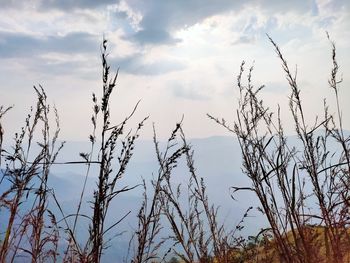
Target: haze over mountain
217,160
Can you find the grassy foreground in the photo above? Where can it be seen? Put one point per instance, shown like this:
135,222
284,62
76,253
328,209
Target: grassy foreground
303,191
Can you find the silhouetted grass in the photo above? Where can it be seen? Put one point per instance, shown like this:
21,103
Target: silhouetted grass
281,175
31,230
285,179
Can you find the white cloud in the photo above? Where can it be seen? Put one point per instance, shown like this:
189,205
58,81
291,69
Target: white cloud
179,56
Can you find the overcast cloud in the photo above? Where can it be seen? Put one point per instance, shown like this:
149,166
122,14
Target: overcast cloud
14,45
179,57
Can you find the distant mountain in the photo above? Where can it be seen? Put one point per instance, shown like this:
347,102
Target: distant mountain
217,160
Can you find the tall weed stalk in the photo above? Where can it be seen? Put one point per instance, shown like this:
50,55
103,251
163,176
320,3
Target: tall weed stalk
287,179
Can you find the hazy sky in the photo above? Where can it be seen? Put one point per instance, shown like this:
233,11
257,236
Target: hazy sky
178,57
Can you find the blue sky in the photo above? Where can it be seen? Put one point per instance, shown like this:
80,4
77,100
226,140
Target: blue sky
179,57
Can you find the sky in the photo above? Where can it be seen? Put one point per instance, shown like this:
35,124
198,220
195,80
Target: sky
180,58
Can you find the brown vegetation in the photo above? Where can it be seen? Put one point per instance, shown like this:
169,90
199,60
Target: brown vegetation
286,179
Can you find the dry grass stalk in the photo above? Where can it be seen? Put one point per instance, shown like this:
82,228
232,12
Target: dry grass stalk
27,230
280,174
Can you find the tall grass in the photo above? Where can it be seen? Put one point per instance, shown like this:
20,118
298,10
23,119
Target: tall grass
110,170
282,175
28,230
179,219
